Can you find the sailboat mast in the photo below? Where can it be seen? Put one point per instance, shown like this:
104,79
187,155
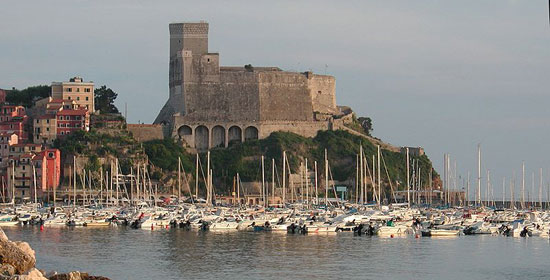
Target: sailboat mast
263,182
307,185
523,185
74,181
179,179
34,182
316,191
272,180
208,191
408,181
468,189
379,179
326,178
284,178
239,189
479,174
362,179
197,177
540,188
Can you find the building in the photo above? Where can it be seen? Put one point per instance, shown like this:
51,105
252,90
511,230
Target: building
6,140
3,95
48,163
69,121
212,106
76,90
20,177
59,118
45,129
29,170
20,149
13,119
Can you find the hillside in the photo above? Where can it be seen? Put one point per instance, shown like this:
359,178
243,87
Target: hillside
245,158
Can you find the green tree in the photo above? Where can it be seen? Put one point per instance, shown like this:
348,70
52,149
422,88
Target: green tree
366,123
27,96
105,100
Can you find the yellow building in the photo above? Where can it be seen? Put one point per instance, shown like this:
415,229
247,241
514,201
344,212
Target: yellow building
45,129
75,89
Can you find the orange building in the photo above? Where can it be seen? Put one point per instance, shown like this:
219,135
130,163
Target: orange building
48,163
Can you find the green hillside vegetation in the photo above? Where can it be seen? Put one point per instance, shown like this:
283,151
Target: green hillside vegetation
95,144
245,158
27,96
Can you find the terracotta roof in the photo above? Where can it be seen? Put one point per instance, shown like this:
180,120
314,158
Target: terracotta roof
78,112
26,144
47,116
55,107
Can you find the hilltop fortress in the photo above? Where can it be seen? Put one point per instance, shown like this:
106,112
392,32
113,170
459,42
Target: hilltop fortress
213,106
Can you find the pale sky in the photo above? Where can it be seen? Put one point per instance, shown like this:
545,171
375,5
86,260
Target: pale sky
444,75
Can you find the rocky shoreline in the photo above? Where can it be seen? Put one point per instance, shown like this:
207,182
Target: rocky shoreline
17,262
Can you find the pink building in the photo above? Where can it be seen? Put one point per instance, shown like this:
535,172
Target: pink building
13,119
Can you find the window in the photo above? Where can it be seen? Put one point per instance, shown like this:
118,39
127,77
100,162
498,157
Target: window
62,133
23,169
37,121
86,98
69,98
47,129
78,98
48,121
77,89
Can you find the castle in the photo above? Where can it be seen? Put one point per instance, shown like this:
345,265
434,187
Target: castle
213,106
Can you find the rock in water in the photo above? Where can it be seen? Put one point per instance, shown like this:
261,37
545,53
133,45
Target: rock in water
11,253
75,275
33,274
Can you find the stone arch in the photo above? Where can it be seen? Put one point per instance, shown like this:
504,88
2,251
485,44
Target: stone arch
218,136
235,134
201,137
251,133
185,130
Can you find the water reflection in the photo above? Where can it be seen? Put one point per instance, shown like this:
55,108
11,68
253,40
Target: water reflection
122,253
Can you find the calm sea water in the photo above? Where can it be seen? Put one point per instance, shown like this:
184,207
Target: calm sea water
121,253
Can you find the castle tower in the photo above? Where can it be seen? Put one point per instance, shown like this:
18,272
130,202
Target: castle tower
188,45
188,36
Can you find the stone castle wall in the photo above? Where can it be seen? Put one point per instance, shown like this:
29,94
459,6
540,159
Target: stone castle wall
146,132
212,106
